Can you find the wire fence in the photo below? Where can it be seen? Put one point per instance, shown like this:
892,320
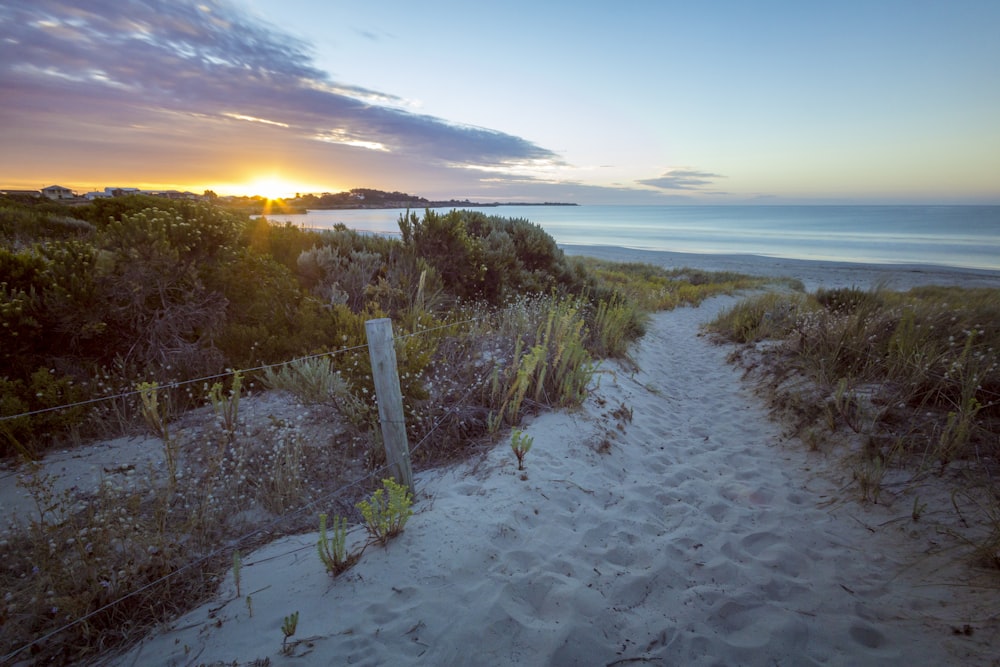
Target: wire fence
286,518
218,376
277,522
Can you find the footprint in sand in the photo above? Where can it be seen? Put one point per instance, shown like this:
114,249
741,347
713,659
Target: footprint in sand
866,635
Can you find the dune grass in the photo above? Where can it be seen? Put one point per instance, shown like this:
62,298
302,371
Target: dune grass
914,375
151,542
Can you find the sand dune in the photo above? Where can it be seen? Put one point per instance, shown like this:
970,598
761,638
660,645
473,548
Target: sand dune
694,534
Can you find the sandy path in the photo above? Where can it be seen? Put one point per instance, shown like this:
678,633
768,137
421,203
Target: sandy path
699,538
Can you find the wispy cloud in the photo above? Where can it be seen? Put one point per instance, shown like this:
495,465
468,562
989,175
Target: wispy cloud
239,116
682,179
343,138
70,68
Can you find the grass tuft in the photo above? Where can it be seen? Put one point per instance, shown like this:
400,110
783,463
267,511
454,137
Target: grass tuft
915,375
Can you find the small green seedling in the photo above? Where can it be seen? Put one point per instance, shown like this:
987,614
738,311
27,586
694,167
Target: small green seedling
157,422
521,445
237,565
288,627
387,511
227,405
333,549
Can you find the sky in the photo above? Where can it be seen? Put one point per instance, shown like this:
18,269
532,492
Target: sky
634,102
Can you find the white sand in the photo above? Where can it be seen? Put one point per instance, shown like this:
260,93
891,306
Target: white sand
702,537
813,274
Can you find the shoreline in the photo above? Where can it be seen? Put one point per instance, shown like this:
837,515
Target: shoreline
813,273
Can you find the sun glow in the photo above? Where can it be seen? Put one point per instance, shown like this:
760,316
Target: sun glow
273,188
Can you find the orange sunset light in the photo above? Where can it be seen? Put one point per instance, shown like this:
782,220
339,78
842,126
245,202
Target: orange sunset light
272,187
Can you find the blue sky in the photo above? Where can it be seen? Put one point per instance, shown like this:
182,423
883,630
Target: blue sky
630,102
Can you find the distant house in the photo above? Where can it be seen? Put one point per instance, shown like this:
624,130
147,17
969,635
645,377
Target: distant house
58,192
97,194
172,194
22,193
122,192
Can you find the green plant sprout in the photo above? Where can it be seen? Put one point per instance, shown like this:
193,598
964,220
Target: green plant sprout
237,564
869,474
288,627
849,406
149,394
521,445
333,549
387,511
227,407
250,606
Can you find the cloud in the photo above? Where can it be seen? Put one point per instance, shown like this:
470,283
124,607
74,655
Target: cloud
103,68
681,179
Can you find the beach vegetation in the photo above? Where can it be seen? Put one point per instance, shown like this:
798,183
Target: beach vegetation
138,316
520,443
289,625
226,403
332,546
386,512
913,375
979,501
237,569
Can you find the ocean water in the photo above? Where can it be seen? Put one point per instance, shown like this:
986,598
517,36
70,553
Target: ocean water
956,236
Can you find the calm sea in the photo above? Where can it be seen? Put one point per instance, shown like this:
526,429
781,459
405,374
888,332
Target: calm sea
959,236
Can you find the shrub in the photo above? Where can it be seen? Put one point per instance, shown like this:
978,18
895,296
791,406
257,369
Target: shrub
769,315
386,511
444,242
931,351
521,338
846,300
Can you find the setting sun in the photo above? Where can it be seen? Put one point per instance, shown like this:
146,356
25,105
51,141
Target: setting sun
272,188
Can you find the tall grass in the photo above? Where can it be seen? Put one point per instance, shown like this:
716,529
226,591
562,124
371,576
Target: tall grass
466,373
931,352
551,368
915,374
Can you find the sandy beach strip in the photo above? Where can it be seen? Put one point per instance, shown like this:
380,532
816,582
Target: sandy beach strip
813,273
693,533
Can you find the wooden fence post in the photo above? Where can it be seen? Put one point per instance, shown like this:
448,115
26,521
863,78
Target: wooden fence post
382,352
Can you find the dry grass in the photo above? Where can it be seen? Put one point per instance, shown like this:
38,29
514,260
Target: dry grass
912,377
93,569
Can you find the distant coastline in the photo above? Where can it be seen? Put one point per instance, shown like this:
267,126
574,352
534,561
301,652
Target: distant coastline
372,199
452,203
956,236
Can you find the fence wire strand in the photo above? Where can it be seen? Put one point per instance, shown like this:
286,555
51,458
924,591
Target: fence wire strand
234,544
179,383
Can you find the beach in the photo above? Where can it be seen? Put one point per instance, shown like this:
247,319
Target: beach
813,273
667,521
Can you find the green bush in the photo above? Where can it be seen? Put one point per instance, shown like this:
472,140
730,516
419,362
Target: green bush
489,257
847,300
386,511
444,242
